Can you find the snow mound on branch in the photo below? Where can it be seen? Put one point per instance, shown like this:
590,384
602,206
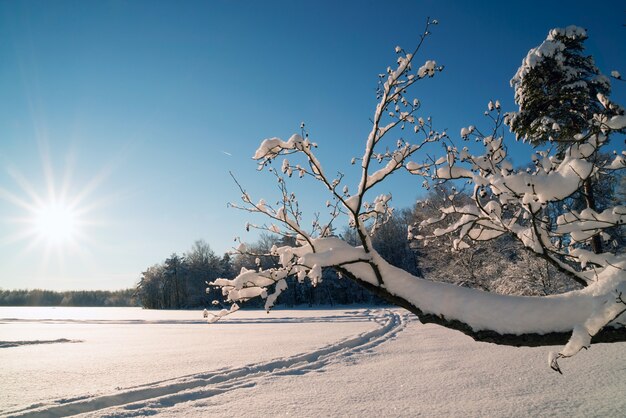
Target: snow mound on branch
271,147
572,32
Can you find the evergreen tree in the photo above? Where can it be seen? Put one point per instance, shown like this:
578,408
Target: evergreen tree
562,98
557,88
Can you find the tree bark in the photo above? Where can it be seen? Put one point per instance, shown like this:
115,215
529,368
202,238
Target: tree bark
596,241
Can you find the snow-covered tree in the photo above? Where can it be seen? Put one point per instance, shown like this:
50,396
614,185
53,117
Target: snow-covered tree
556,88
503,201
559,90
502,265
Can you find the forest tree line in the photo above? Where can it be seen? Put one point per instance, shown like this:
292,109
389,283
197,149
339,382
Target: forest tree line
40,297
180,281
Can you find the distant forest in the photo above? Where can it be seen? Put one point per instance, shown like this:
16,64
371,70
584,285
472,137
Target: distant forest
39,297
180,282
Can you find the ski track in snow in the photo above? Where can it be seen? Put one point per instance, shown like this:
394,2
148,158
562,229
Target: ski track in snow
7,344
148,399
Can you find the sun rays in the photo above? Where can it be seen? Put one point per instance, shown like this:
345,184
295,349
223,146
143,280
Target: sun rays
51,219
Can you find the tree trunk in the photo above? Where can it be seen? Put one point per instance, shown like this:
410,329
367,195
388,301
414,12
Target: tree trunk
596,241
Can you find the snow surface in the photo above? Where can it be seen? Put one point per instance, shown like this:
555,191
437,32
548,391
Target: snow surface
339,362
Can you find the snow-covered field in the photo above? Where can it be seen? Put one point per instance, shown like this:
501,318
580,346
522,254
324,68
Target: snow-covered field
338,362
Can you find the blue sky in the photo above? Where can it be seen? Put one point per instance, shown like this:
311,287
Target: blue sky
138,110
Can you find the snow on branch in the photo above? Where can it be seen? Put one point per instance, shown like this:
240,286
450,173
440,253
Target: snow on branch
518,202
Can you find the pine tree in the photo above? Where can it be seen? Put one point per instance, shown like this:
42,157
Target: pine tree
556,89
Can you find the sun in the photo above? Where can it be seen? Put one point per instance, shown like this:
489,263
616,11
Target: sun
52,218
55,222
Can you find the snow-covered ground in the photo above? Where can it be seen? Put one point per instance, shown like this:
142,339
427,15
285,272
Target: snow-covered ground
338,362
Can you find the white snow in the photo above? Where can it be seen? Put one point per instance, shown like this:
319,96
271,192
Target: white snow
428,69
342,362
118,350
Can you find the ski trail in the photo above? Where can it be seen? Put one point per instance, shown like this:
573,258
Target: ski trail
162,394
8,344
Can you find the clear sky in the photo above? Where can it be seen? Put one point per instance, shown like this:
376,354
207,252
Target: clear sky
134,112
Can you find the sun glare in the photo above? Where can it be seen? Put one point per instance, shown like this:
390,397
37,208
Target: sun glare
56,223
54,220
